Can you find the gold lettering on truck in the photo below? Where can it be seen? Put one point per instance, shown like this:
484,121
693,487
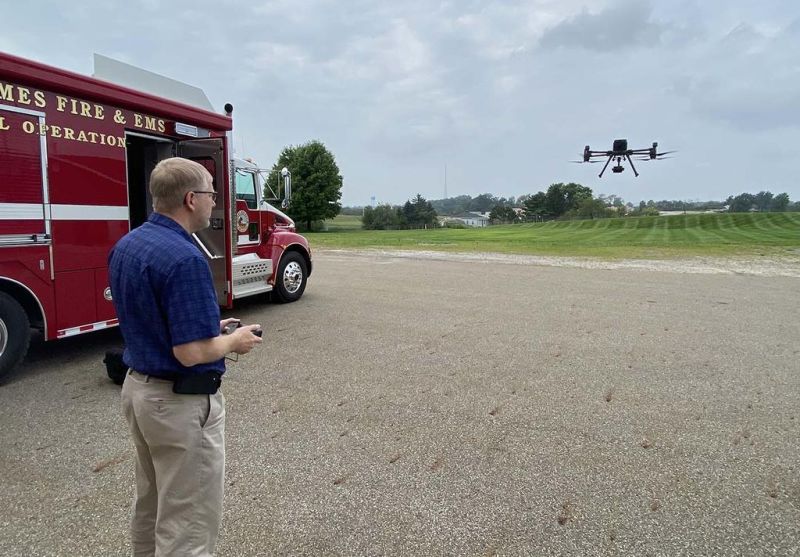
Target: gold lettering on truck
23,95
18,94
6,92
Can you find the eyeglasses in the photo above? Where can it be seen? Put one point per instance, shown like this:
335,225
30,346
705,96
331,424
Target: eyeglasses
213,194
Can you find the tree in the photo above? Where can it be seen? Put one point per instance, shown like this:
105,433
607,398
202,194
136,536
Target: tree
502,214
780,203
535,205
555,202
418,213
592,208
561,198
368,218
452,205
763,201
382,217
611,200
316,182
742,203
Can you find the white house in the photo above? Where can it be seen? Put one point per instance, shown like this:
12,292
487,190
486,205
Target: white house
475,220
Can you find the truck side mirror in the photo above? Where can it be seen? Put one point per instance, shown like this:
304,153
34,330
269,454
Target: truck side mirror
287,187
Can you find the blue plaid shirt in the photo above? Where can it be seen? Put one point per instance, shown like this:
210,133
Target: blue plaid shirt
164,296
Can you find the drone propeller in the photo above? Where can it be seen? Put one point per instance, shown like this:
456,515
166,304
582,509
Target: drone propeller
658,158
580,162
665,153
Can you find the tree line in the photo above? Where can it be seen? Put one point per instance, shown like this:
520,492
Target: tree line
415,213
560,201
763,201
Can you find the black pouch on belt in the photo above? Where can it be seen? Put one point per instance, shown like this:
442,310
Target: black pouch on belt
205,383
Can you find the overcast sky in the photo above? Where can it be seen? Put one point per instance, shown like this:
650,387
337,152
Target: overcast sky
503,94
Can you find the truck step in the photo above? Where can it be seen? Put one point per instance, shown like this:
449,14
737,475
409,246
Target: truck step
250,275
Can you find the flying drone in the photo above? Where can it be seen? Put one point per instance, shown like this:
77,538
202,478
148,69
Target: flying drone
620,152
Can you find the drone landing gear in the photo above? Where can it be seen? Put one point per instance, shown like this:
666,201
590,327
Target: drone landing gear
636,174
605,166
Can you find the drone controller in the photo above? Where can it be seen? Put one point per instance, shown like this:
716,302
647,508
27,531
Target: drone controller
230,327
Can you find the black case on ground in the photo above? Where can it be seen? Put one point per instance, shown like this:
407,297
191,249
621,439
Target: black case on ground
115,367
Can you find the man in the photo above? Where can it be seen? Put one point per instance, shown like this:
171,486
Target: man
167,307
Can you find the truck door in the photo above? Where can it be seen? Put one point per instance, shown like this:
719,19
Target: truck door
212,240
23,175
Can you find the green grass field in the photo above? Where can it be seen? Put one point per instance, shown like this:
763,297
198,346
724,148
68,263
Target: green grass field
632,237
343,222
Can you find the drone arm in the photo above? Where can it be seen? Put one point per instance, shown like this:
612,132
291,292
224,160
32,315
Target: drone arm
632,167
605,166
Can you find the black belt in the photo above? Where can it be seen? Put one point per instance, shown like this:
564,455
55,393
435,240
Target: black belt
170,377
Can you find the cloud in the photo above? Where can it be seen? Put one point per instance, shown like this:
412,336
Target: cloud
394,53
275,57
749,79
619,26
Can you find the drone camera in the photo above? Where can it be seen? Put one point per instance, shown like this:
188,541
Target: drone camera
617,169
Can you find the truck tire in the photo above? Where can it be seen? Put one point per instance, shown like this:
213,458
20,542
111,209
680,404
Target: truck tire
15,333
290,282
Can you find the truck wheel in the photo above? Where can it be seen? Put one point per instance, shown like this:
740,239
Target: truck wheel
290,282
15,333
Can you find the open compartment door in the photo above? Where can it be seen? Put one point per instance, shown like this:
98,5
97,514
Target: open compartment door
213,241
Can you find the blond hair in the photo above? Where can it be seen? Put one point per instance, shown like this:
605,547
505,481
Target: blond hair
172,179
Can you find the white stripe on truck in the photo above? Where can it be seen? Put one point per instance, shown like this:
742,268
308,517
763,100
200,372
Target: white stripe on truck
34,211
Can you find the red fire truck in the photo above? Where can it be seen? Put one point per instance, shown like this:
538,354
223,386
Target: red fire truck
75,156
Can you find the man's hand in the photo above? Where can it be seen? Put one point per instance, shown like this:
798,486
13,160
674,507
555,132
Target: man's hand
244,340
241,341
225,322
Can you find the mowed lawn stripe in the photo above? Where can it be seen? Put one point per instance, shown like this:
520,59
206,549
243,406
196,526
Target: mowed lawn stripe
627,237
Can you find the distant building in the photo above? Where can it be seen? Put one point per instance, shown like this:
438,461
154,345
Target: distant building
669,213
474,220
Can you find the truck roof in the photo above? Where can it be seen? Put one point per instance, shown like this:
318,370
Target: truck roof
63,81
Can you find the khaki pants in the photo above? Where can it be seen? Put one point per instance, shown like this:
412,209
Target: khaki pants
180,467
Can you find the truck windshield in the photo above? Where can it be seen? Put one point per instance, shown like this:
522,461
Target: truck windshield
246,188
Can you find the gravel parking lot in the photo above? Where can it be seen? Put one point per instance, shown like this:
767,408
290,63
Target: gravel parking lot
455,406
